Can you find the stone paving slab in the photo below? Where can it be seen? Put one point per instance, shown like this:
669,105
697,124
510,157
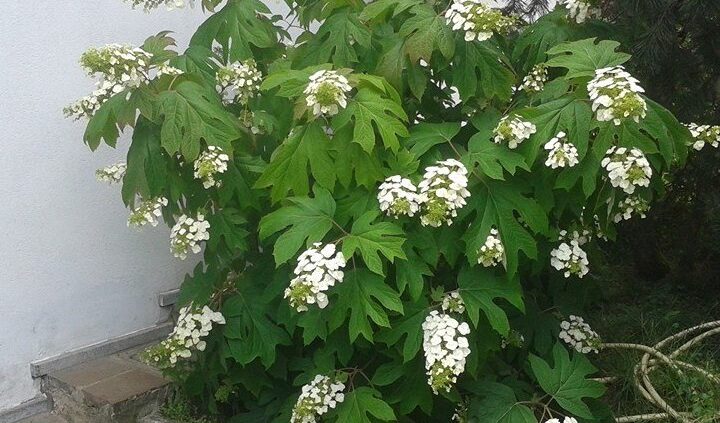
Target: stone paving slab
113,389
122,387
110,380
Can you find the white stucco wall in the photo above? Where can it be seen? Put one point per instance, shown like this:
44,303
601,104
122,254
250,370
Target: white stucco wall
71,272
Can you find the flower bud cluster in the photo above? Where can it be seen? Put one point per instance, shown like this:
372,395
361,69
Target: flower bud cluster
477,20
561,153
569,257
398,197
453,303
579,336
443,191
112,174
147,213
615,96
534,82
239,82
187,234
317,270
327,92
167,69
446,349
704,134
492,252
119,67
627,168
579,10
631,206
317,398
150,5
513,131
194,324
211,163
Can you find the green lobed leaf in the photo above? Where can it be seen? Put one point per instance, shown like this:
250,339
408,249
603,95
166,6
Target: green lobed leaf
306,147
373,239
567,381
497,203
380,8
238,27
483,71
370,110
568,114
425,32
193,114
330,44
405,386
582,58
303,221
361,403
107,122
497,403
425,136
363,297
672,137
250,333
492,158
535,40
480,287
407,327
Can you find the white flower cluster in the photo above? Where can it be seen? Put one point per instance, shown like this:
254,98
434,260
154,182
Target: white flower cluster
535,80
631,206
569,257
627,168
112,174
561,153
453,303
119,67
443,191
239,82
579,10
582,238
704,134
149,5
147,212
167,69
446,349
187,234
317,270
317,398
615,96
327,92
565,420
398,197
578,335
513,130
194,323
492,252
477,20
210,163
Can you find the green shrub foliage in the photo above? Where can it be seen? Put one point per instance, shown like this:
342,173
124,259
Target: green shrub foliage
396,203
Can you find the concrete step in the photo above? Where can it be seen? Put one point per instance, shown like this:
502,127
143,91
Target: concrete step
113,389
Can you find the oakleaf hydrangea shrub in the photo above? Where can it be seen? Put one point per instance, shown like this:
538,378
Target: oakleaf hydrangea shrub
395,211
